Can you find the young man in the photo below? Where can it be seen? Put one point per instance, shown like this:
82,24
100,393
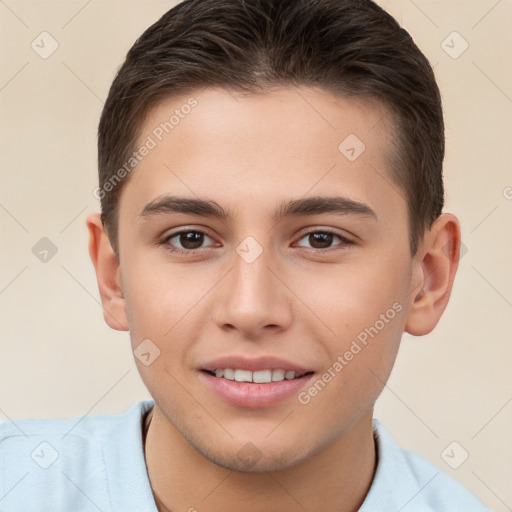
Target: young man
271,192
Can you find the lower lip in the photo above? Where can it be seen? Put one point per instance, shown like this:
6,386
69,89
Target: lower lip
251,395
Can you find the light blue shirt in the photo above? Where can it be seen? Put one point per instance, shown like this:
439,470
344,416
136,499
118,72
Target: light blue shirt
96,463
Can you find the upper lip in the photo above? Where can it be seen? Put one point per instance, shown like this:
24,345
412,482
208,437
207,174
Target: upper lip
254,364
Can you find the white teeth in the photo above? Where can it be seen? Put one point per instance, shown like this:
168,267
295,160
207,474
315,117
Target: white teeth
229,374
258,377
262,376
243,375
277,375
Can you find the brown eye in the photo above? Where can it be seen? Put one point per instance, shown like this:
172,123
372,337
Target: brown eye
191,239
320,240
186,240
323,240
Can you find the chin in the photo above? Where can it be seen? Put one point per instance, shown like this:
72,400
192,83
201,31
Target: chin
250,459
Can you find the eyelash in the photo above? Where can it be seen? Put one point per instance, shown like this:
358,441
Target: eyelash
189,252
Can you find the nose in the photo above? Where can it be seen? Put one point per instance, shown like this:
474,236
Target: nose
253,299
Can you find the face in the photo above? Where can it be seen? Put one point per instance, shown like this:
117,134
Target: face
298,262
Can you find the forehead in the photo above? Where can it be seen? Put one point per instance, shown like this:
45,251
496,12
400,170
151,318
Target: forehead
258,149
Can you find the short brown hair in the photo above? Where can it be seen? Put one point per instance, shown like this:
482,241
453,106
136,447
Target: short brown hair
347,47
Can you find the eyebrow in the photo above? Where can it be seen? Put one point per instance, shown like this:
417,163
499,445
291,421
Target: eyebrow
293,208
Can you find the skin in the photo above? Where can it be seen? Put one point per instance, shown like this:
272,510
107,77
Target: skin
250,153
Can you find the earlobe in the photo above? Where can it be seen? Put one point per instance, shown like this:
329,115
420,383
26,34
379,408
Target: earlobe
434,274
108,274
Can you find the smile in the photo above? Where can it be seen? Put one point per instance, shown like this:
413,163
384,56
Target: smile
258,377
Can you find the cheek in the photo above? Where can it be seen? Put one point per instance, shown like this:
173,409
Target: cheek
158,296
353,296
165,304
364,307
360,362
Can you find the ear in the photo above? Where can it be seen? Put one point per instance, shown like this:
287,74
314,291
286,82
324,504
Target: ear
108,274
434,271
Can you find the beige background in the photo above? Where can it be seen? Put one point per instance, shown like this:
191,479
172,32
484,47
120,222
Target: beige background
58,357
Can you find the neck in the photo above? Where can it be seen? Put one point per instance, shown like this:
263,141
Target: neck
340,475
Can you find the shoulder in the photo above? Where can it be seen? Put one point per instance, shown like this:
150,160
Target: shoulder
408,482
67,461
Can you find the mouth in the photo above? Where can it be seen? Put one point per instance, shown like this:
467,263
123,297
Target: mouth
257,377
254,383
